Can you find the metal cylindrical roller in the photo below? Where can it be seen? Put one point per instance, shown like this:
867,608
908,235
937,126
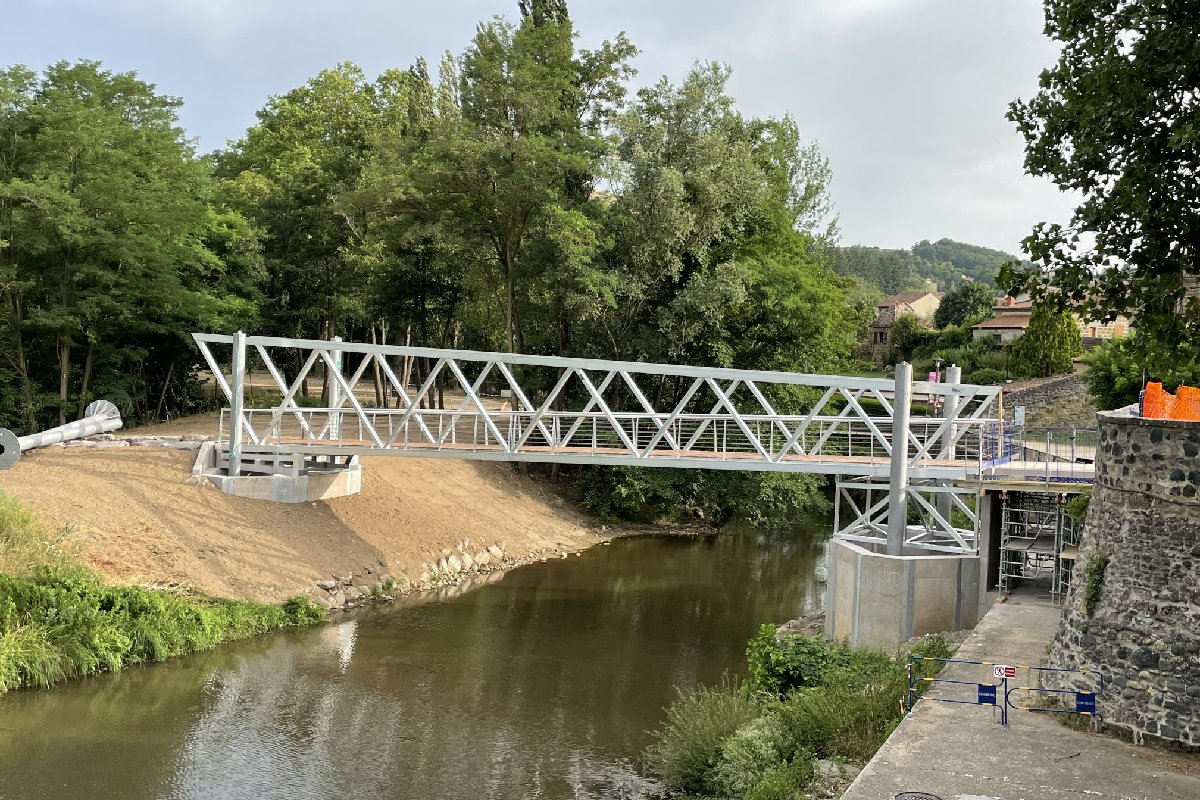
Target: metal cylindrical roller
101,408
10,448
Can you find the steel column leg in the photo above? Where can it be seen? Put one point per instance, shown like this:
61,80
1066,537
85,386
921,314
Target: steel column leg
898,497
237,394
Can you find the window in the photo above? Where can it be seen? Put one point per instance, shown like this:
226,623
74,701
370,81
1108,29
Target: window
997,338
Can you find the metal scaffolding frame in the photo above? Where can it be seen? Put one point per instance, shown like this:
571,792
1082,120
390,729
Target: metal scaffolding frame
711,418
1037,538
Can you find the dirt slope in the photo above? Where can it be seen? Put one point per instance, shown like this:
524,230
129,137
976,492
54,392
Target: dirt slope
130,513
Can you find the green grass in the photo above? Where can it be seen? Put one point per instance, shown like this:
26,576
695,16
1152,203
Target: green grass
59,620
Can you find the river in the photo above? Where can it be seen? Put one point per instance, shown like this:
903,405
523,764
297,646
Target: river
545,683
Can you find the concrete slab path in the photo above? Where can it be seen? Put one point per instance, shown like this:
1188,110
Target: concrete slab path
961,752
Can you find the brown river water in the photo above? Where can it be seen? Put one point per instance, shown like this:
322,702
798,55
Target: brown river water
546,683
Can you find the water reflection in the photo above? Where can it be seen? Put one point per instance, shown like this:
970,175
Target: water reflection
543,684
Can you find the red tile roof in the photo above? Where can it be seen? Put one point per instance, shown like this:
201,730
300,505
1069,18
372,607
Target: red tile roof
900,299
1013,321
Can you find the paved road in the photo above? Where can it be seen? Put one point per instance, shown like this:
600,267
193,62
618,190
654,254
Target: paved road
957,752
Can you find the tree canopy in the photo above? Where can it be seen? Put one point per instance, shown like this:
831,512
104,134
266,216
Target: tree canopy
965,304
1048,345
1117,120
113,244
946,263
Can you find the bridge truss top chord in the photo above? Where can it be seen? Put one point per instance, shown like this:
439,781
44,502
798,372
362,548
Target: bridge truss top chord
424,402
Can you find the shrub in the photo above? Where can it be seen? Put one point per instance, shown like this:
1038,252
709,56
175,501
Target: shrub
785,781
1094,582
753,750
1077,507
688,748
986,377
779,665
58,623
850,714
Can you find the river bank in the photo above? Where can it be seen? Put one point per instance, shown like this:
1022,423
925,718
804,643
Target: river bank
130,514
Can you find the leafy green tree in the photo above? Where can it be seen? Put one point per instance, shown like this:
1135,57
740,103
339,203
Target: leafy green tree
1048,344
1115,120
288,173
965,304
518,163
907,332
979,264
1119,368
106,216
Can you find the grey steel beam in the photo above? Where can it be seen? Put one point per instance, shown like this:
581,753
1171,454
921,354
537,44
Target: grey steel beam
898,489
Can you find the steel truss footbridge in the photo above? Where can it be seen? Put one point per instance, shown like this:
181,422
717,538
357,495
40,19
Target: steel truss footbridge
907,456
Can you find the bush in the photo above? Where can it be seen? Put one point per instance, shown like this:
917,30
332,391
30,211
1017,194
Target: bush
850,714
646,494
986,377
754,750
688,748
785,781
1077,507
779,665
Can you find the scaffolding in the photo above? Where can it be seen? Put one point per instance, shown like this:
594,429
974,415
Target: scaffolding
1037,540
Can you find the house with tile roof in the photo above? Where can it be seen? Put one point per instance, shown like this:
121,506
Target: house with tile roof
1011,317
921,304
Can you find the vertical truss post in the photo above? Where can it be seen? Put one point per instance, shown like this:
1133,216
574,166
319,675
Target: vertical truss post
237,392
335,393
949,411
898,496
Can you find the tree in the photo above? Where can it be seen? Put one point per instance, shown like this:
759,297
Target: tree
965,304
105,217
907,332
1116,121
306,152
1048,344
1119,368
519,162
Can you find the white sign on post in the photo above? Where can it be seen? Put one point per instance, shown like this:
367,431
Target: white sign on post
1004,671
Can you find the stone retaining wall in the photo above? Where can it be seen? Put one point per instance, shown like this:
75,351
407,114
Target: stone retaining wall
1144,632
1052,402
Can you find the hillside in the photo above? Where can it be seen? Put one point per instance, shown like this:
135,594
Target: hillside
944,262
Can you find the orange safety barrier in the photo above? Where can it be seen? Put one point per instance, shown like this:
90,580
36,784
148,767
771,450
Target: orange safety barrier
1154,404
1187,403
1159,404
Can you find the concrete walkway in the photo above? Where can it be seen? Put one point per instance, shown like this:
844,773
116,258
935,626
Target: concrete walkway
960,752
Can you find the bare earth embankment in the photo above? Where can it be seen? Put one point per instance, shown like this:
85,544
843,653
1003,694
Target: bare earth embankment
130,513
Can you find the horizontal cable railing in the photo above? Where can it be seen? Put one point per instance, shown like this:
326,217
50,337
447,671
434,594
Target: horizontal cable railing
1048,455
642,435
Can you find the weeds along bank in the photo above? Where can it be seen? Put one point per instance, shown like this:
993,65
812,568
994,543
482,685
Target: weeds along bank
60,620
808,709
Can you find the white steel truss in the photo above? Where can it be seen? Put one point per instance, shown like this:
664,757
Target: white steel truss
861,514
517,407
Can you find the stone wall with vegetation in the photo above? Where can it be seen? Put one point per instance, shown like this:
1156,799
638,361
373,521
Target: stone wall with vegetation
1059,402
1133,612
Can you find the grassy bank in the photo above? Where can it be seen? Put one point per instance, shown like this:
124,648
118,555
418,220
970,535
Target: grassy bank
805,700
60,620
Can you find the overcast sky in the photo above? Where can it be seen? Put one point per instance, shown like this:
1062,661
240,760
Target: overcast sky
906,97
